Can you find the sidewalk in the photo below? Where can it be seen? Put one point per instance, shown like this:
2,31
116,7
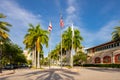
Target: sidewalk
7,72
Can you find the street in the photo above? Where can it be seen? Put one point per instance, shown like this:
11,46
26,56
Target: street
77,73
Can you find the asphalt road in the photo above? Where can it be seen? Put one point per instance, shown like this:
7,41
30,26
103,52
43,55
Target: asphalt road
76,73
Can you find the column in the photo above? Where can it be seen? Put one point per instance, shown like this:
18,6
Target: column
113,58
101,60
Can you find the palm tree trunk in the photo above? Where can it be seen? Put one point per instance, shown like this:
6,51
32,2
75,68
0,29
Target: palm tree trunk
68,57
71,58
35,59
38,60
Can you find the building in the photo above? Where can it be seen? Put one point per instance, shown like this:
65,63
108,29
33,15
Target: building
27,55
106,53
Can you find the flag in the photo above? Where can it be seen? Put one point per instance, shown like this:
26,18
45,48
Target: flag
50,27
61,22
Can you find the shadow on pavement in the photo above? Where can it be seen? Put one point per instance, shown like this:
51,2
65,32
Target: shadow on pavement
49,74
54,74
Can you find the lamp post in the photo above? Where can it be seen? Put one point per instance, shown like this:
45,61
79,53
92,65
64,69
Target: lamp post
1,57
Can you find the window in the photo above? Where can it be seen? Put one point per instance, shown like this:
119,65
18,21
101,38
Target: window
117,44
114,44
107,59
111,45
97,60
107,46
118,57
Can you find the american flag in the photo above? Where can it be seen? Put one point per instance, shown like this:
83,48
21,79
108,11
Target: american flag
61,22
50,27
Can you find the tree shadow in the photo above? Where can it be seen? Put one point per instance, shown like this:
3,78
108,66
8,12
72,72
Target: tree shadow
4,78
57,74
104,69
49,74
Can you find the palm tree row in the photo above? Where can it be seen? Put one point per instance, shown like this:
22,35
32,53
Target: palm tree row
54,55
67,44
34,40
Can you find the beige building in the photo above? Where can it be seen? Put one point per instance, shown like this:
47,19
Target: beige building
106,53
27,55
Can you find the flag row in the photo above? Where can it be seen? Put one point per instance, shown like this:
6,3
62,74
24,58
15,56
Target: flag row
61,24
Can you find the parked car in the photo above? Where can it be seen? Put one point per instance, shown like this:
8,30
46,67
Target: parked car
9,66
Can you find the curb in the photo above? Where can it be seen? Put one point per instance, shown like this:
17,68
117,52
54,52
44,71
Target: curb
2,74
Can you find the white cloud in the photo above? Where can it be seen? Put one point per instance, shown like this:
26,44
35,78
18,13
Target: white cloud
19,18
107,29
71,12
101,36
90,38
15,12
70,9
71,2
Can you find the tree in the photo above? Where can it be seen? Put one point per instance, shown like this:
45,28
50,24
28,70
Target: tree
54,56
56,52
4,28
67,41
30,43
12,54
79,58
3,34
35,39
41,58
77,40
116,33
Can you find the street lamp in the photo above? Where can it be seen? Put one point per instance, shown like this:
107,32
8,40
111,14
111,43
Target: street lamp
1,57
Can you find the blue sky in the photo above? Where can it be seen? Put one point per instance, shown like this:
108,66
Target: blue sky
94,18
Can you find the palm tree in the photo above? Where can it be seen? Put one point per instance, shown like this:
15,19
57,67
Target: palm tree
67,41
4,28
30,44
77,40
116,33
3,34
54,54
35,39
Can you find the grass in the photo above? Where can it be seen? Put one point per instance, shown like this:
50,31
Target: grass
69,67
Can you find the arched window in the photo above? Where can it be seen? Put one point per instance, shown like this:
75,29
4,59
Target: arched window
107,59
117,58
97,60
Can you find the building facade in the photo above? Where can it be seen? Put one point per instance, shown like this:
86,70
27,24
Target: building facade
106,53
27,55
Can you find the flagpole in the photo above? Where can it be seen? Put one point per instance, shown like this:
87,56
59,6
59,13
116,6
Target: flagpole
72,46
49,50
61,25
50,29
61,48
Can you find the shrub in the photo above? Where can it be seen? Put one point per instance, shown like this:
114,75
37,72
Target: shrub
102,65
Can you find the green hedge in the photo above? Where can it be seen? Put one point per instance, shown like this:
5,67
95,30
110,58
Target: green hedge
102,65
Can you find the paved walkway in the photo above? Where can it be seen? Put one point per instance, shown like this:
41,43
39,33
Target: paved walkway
7,72
76,73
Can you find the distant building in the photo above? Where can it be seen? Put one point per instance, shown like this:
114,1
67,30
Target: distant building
27,55
106,53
